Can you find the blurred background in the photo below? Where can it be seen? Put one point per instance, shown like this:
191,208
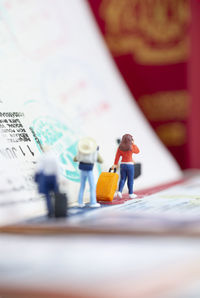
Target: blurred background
155,45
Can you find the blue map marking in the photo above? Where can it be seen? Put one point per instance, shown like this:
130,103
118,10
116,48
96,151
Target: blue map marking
56,134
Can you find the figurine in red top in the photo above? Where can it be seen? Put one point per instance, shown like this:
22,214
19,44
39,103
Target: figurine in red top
125,150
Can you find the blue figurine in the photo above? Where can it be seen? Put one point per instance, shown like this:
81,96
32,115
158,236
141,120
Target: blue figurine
47,176
87,156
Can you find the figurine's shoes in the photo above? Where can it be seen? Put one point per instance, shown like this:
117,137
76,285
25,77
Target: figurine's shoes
119,194
95,205
132,196
81,205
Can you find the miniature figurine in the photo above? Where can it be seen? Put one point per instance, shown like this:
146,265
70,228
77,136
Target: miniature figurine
47,176
137,165
125,150
87,155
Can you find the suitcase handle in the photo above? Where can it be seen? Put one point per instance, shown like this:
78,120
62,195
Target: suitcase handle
114,171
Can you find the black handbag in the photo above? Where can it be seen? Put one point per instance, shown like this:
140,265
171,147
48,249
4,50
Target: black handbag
137,170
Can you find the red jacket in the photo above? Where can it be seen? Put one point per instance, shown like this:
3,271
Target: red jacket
126,155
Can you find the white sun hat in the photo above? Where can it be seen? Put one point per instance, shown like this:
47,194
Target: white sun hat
87,145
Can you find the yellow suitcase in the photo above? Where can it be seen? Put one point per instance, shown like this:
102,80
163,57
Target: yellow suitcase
107,186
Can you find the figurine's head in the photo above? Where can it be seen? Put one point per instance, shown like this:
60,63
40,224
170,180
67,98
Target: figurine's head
126,142
87,145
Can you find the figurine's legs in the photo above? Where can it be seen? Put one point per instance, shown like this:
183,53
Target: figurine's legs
46,187
51,185
93,199
55,185
49,204
130,174
123,176
82,186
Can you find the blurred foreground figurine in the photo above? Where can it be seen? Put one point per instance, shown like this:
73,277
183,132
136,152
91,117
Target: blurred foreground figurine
87,155
125,150
47,177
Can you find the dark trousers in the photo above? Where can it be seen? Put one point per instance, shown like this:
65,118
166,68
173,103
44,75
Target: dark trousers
48,183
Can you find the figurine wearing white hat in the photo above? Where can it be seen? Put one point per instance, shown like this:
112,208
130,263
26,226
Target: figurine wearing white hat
87,155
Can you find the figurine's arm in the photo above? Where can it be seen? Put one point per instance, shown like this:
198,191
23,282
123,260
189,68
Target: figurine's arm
99,158
135,149
75,158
